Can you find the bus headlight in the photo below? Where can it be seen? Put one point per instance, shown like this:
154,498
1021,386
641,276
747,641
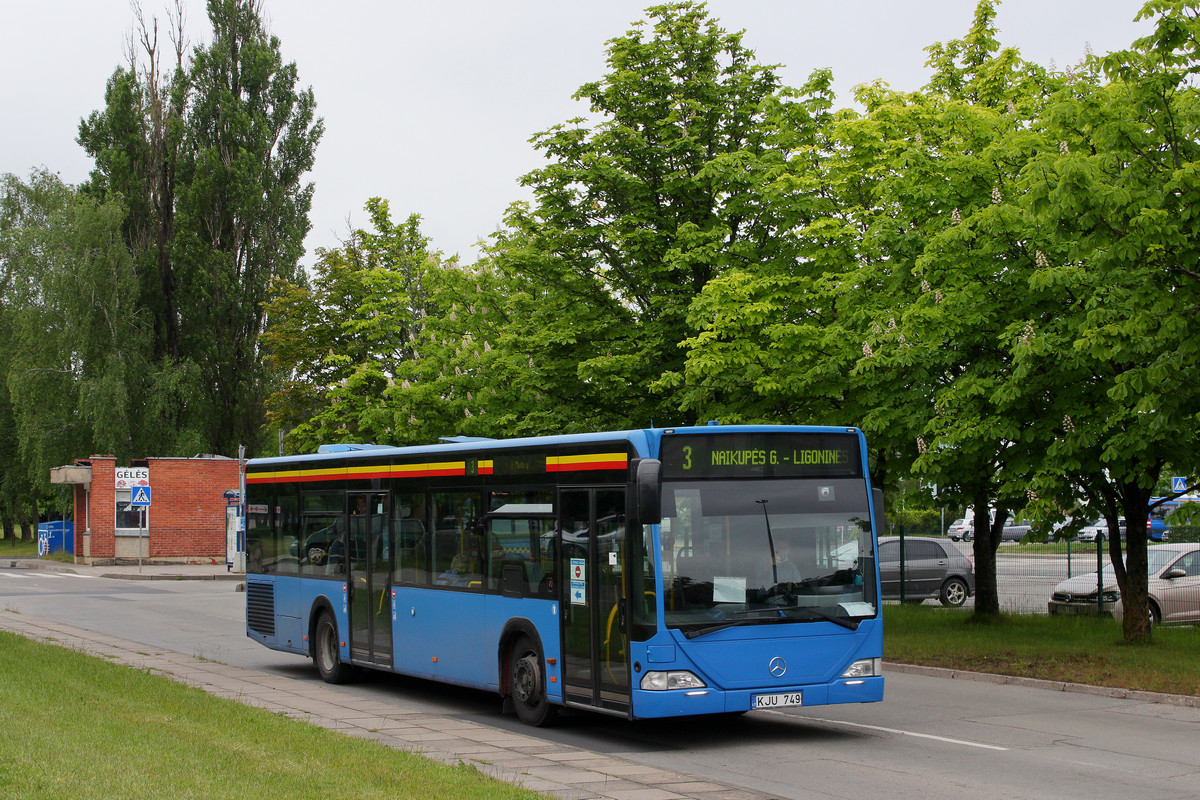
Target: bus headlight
676,679
865,668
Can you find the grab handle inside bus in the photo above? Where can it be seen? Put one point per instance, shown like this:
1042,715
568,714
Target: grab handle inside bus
648,477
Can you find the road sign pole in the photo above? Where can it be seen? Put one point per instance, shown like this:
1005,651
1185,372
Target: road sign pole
140,499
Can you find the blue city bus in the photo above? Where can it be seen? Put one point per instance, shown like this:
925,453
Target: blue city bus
647,573
1161,509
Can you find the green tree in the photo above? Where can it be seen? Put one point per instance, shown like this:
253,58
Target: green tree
352,335
242,209
1116,203
209,161
77,355
135,141
636,211
894,316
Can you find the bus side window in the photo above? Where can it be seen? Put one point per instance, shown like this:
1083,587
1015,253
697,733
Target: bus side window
411,539
457,533
521,557
287,534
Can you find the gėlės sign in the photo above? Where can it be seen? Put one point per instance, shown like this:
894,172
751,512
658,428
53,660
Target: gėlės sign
128,477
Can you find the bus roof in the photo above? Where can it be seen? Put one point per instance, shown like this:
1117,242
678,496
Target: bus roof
645,441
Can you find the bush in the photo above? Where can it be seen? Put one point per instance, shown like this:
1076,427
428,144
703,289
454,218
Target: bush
1184,533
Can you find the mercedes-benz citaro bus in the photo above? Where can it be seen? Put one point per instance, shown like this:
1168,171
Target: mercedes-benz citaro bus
646,573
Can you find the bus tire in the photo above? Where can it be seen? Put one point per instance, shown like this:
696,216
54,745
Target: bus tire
327,651
527,683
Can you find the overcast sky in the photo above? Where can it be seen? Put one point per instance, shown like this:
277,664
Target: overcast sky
431,105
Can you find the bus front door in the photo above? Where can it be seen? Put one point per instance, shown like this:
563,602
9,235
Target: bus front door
595,650
370,558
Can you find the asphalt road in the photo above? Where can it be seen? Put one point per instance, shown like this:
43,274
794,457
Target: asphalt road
930,738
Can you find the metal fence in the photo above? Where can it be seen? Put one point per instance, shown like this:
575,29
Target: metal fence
1068,578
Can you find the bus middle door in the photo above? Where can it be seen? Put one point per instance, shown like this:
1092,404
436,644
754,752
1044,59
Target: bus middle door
594,639
368,551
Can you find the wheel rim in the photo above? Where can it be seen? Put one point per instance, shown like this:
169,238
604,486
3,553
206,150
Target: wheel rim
526,683
955,593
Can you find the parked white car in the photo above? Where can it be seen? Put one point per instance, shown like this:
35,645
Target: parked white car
961,530
1174,588
1181,603
1097,531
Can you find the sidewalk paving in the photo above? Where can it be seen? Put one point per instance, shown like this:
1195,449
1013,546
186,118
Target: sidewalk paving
547,767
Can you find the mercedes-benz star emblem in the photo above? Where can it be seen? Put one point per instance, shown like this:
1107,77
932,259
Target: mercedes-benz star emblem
778,667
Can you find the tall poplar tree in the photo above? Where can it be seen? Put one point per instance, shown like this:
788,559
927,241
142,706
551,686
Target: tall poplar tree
209,155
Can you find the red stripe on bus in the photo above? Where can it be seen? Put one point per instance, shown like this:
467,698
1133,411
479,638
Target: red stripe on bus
584,466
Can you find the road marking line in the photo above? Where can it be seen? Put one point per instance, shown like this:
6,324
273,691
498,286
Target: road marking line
947,740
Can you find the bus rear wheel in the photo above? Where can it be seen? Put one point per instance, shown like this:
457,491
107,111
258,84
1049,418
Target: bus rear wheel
527,683
327,651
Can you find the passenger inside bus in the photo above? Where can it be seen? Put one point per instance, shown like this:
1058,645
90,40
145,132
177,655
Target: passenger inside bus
785,570
459,572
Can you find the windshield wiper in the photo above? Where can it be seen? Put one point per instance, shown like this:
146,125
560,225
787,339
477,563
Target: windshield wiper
845,622
692,633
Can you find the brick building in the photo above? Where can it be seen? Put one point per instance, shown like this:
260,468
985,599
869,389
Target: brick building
186,521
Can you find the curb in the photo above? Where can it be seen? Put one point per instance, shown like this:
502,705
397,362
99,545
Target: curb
56,566
1185,700
145,576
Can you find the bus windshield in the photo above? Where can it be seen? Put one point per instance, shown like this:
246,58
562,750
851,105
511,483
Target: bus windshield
751,552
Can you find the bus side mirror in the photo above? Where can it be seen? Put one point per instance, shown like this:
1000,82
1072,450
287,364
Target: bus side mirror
877,518
648,484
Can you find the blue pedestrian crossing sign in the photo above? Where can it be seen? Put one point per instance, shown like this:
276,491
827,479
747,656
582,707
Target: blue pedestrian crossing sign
141,496
1179,484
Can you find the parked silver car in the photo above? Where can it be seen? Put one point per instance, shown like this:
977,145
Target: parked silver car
1016,530
1175,589
932,568
1078,595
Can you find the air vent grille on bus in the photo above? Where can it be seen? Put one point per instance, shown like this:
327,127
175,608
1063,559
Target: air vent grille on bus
260,607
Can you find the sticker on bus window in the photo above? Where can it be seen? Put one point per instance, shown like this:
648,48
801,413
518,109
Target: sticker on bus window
578,582
729,590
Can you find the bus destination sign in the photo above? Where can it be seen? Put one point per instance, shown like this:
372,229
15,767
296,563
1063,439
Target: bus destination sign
761,455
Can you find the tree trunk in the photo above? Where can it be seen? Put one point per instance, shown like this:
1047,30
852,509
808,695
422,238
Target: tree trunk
28,530
987,594
1135,598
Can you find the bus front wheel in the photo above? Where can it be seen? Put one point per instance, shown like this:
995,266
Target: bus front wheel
527,683
327,651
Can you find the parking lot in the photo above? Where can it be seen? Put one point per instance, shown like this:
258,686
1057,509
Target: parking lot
1027,574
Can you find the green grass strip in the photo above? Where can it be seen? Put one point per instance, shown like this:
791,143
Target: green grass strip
1075,649
77,727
